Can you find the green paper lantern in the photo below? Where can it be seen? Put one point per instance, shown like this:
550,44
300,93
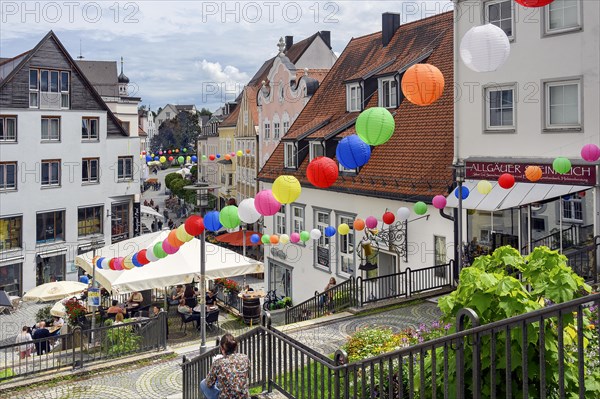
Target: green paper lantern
204,157
229,217
184,150
420,208
375,126
266,239
180,160
158,251
561,165
304,236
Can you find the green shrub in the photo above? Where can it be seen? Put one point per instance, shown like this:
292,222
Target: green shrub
44,314
121,340
170,178
6,373
177,186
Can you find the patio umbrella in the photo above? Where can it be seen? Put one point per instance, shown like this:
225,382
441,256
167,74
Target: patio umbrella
5,300
58,309
236,239
53,291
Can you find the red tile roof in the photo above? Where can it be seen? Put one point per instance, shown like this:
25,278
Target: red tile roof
231,119
416,163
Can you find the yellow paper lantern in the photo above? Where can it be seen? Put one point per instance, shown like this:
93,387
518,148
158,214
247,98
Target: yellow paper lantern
284,239
128,263
162,159
484,187
286,189
343,229
239,153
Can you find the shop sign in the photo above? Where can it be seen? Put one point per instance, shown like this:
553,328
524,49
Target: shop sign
579,175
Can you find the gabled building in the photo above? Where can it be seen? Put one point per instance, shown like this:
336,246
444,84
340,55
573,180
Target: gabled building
67,171
147,125
414,165
226,167
170,111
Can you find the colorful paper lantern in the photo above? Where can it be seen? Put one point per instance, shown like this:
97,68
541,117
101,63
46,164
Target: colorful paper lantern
322,172
403,213
163,159
248,151
284,239
329,231
590,152
343,229
265,239
352,152
229,217
274,239
533,173
211,157
561,165
484,187
286,189
247,211
170,159
315,234
420,208
422,84
295,238
266,204
388,218
169,152
534,3
177,150
371,222
227,157
128,263
99,262
158,250
150,254
160,152
148,158
184,150
375,126
111,264
183,235
211,221
104,263
484,48
143,152
118,264
464,192
218,155
181,159
156,158
194,226
204,157
254,238
173,240
506,181
239,153
439,202
141,257
168,248
135,261
305,235
194,158
358,224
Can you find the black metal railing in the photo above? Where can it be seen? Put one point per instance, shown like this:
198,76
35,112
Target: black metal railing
584,260
79,347
570,236
561,359
229,298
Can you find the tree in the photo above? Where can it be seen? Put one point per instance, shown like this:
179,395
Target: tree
205,112
179,132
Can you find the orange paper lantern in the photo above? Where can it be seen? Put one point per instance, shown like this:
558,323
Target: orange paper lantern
359,224
422,84
173,240
274,239
533,173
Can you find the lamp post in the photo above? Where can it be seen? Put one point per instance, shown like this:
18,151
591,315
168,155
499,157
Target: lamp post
95,245
459,175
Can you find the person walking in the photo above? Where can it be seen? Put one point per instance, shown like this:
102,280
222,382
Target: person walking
228,376
166,215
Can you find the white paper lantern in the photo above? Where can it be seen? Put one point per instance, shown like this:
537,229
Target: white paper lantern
403,214
284,239
484,48
247,211
315,234
150,254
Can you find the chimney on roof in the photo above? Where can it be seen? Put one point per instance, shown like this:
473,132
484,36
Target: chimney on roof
390,22
289,42
326,36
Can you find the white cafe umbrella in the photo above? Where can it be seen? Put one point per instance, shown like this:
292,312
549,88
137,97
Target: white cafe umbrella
53,291
58,309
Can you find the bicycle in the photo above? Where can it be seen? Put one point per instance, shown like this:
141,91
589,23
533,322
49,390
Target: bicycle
271,299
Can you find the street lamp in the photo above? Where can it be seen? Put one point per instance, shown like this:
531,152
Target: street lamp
202,203
459,175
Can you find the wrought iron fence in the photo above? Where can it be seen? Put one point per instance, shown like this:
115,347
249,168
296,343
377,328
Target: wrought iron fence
547,353
79,347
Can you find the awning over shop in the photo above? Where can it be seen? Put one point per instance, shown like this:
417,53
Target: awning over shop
146,210
519,195
235,239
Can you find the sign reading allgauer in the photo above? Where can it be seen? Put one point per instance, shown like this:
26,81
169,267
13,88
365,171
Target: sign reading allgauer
579,175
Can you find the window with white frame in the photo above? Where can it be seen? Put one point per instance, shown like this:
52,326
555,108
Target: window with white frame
388,93
89,170
50,128
291,156
501,14
572,210
125,168
286,127
50,173
297,218
562,102
8,176
276,131
562,16
267,130
316,149
321,251
353,97
439,253
8,128
89,128
346,259
280,221
499,104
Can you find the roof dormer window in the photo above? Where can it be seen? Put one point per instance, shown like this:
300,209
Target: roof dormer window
353,97
388,92
316,149
290,156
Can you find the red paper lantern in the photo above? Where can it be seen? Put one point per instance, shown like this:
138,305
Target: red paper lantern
171,159
168,152
534,3
173,240
111,264
388,218
143,152
506,181
211,157
322,172
194,225
141,257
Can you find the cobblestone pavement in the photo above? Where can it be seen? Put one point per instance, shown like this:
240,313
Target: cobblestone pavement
11,324
163,379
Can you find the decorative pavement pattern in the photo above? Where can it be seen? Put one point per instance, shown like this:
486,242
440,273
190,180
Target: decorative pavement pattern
164,378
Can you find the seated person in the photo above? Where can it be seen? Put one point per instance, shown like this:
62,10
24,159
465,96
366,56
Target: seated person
57,323
135,300
211,297
176,295
189,312
41,332
115,308
119,319
248,289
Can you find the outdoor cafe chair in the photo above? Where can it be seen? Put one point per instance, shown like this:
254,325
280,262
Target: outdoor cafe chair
184,320
212,318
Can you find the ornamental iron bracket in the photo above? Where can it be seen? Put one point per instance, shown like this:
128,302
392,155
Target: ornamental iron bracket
392,238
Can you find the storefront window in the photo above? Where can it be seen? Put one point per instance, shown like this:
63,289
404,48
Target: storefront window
89,221
50,269
119,222
10,233
50,227
10,279
280,279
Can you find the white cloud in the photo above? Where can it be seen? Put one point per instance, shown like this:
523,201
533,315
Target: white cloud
213,71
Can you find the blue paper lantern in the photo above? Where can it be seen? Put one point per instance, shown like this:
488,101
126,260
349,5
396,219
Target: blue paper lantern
211,221
148,158
254,238
218,155
156,158
194,158
99,263
135,261
329,231
465,192
352,152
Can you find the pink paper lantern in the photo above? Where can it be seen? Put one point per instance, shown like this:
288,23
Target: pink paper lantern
168,248
371,222
590,152
295,238
439,202
118,264
266,204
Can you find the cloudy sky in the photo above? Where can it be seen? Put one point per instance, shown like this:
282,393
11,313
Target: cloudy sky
196,52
